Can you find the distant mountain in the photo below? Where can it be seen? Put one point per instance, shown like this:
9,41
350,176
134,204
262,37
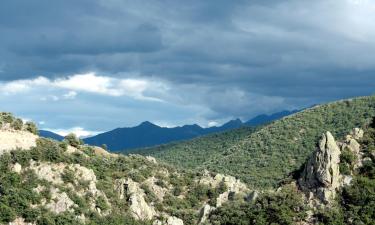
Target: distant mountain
263,119
49,134
148,134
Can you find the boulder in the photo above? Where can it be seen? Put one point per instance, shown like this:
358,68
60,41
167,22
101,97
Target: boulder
321,175
357,133
17,168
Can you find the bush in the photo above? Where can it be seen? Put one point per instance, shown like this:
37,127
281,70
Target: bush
68,176
17,124
73,140
31,127
7,214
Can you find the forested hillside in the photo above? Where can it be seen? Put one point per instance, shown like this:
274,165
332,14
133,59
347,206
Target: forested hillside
264,157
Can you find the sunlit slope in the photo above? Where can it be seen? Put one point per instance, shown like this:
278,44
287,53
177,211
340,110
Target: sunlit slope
264,157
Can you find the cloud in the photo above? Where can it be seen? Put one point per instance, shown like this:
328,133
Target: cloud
79,131
91,83
162,61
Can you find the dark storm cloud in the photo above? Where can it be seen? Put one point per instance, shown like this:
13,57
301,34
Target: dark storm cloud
261,56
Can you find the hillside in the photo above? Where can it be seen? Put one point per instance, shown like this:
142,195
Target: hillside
197,151
46,182
265,157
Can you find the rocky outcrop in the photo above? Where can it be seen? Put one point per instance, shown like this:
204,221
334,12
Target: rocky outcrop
351,143
174,221
321,176
156,189
135,196
53,173
170,220
205,213
11,140
233,186
20,221
60,202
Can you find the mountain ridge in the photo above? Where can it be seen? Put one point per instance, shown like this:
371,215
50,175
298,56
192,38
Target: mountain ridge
148,134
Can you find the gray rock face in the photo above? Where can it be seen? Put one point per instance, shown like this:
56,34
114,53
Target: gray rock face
174,221
234,186
139,208
170,220
205,213
357,133
321,175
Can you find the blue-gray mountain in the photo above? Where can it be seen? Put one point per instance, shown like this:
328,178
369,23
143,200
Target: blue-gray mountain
148,134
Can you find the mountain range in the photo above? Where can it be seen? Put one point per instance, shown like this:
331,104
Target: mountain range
314,167
148,134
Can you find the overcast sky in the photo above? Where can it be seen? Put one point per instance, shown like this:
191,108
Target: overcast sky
94,65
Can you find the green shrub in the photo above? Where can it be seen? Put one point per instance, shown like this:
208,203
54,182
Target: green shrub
17,124
31,127
7,214
73,140
68,176
101,203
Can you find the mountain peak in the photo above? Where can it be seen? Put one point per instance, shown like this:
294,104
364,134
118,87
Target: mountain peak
147,124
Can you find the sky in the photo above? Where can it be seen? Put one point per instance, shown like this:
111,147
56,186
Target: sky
93,65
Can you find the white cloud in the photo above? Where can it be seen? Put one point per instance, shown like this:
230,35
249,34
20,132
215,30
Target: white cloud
213,123
70,95
90,83
79,131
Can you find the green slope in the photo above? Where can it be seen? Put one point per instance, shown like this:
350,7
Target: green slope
264,157
197,151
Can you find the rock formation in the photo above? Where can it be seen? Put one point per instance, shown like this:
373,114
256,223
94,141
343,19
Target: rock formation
11,140
233,186
135,196
205,213
60,202
321,175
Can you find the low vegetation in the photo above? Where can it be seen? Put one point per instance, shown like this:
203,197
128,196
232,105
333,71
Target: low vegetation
266,156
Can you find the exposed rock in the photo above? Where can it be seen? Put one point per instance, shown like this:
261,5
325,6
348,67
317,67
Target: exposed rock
234,186
252,196
205,213
60,202
174,221
347,180
48,171
102,152
352,145
151,159
135,196
11,140
156,189
357,133
20,221
53,172
17,168
171,220
321,175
